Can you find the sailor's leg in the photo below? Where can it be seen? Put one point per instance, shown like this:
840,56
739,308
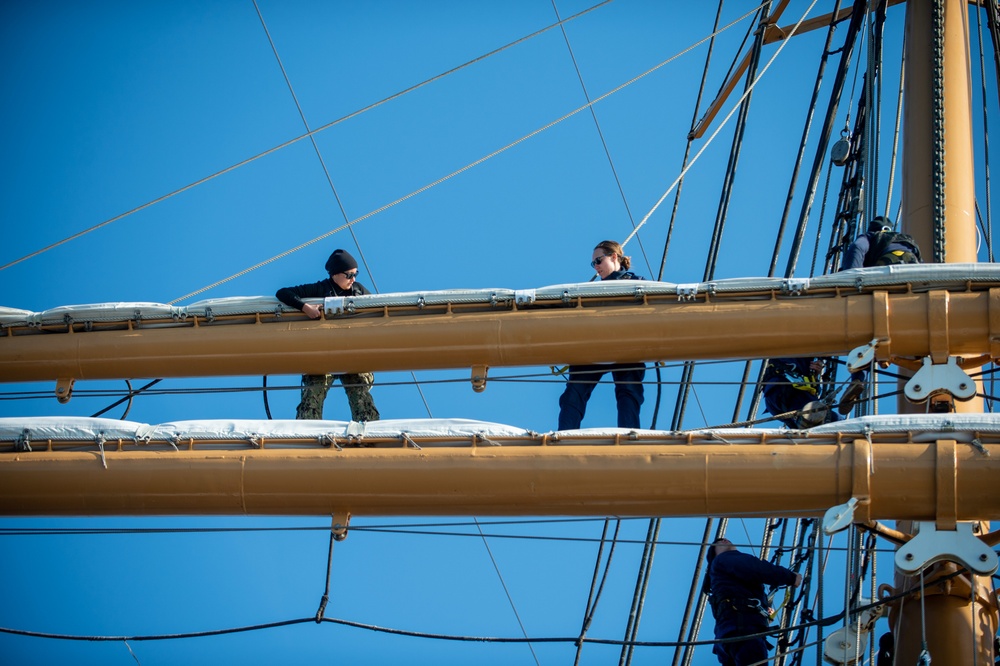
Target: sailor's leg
359,396
314,388
629,394
573,402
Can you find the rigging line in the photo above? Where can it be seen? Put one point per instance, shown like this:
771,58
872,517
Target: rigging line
896,130
592,599
470,166
600,134
131,652
857,14
127,398
329,565
6,396
986,137
690,140
694,592
639,597
738,104
736,148
290,142
484,639
807,127
312,138
506,591
329,178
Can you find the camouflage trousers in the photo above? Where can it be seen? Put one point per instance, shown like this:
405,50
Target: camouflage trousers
359,397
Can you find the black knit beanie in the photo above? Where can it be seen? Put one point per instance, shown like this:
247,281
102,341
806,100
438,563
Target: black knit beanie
340,261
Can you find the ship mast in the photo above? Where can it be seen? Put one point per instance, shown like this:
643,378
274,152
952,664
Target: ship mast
938,209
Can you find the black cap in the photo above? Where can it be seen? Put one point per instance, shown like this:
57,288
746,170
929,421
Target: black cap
879,223
340,261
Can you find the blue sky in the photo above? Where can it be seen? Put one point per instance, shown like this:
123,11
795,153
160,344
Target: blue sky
113,105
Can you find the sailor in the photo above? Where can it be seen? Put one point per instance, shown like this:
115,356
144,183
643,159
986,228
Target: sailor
795,388
609,262
879,246
735,583
342,281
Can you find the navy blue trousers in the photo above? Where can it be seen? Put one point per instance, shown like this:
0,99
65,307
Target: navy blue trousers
582,382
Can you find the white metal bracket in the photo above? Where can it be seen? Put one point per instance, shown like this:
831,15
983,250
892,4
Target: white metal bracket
938,378
861,357
930,545
839,517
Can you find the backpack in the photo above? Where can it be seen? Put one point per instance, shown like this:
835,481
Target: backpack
879,253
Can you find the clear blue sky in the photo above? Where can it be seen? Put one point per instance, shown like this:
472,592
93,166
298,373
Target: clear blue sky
113,105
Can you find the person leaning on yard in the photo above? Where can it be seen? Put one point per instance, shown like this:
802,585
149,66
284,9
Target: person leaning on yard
342,281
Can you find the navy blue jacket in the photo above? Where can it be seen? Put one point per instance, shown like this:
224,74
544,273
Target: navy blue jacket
854,257
737,580
622,275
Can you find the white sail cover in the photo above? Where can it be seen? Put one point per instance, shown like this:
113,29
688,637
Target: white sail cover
918,277
24,433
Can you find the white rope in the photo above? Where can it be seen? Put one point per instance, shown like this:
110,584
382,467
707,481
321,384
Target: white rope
309,134
746,93
477,163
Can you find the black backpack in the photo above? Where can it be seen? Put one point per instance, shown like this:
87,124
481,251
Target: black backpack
878,247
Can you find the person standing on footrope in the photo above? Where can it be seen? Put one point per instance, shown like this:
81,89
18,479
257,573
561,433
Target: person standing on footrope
610,264
342,281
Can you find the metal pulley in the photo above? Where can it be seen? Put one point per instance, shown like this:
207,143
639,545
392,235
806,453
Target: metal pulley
841,151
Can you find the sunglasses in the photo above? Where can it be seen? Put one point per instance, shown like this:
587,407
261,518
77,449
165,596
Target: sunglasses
597,262
351,276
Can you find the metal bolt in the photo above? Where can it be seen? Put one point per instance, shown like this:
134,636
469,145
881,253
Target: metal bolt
909,556
917,387
982,557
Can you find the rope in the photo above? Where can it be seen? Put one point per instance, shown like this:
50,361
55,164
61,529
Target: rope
604,144
290,142
986,138
746,93
694,592
793,180
938,170
128,398
592,598
326,590
506,591
484,639
454,173
639,595
895,133
687,147
821,151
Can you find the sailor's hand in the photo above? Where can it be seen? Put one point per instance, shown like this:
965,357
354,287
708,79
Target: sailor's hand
798,580
311,311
